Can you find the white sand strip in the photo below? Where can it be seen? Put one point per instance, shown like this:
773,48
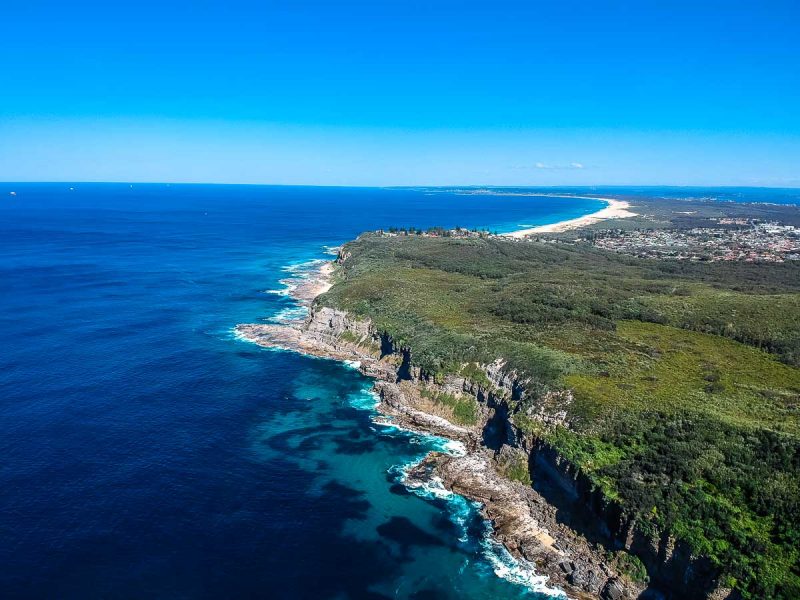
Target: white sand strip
616,209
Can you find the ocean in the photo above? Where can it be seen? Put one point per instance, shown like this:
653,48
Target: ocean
147,452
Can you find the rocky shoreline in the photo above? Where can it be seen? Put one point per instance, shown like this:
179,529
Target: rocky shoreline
522,519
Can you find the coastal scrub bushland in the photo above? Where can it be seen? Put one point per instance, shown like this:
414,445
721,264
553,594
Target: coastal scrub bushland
684,375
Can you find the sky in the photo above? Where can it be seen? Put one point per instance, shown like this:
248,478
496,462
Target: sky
401,92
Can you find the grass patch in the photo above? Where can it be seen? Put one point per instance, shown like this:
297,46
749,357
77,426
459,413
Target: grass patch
630,565
516,469
463,408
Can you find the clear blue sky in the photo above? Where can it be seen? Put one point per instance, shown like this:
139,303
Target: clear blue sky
401,92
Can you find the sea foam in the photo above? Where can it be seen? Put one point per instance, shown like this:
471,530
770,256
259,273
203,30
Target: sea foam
461,510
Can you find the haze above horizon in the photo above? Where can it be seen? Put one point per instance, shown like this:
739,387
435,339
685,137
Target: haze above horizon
402,93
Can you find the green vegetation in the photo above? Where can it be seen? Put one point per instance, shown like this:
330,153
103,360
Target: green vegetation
630,565
475,374
464,409
366,343
685,375
766,321
349,337
516,469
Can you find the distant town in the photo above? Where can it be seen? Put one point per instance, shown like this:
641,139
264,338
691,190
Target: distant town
734,239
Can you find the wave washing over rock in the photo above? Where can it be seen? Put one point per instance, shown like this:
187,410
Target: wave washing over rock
305,281
459,508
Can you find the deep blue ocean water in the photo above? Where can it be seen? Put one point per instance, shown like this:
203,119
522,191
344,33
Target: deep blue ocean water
146,452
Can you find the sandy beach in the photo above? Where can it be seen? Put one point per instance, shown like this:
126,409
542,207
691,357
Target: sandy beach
616,209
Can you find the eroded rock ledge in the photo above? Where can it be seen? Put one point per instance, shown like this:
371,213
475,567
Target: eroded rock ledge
564,527
522,519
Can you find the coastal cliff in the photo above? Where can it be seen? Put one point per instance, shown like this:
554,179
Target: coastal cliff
542,508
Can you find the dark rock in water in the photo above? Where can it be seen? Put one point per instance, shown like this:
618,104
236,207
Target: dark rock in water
399,489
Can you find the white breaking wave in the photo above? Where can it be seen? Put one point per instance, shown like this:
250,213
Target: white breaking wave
460,510
286,290
289,314
366,400
452,447
520,572
304,269
238,335
298,272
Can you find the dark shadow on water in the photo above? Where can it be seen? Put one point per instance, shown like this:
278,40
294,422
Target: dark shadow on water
352,448
352,500
442,522
404,533
311,438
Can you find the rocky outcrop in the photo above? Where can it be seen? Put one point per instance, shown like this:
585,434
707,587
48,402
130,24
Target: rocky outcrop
328,325
562,523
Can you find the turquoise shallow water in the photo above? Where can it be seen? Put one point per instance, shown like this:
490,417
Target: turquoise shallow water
149,453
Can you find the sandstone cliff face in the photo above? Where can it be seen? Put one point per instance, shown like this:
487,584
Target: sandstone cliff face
561,496
329,325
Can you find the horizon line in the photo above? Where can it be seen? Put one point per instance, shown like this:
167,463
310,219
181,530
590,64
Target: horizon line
408,186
